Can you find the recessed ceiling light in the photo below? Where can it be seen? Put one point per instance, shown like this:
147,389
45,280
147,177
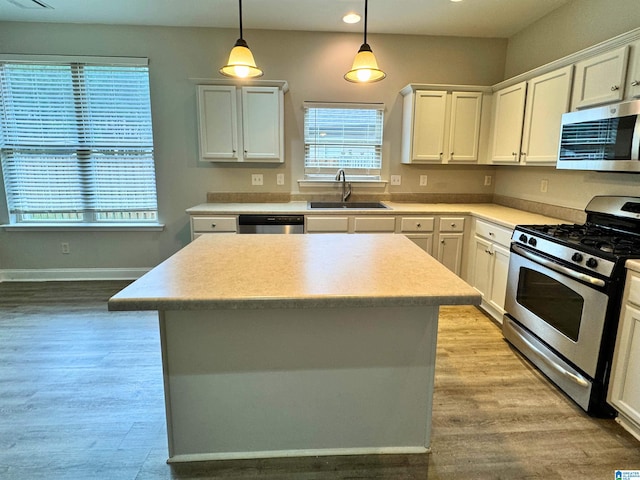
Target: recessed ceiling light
351,18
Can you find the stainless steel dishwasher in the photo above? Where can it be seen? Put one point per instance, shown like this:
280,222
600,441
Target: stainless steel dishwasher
270,223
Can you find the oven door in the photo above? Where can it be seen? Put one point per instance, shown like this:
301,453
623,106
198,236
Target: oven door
566,314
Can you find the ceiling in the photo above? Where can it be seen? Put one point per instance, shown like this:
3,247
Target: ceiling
476,18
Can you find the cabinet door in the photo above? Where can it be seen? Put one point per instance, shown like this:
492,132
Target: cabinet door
499,277
464,130
600,79
633,79
423,240
548,97
218,122
261,121
429,125
450,250
328,224
482,266
507,123
624,391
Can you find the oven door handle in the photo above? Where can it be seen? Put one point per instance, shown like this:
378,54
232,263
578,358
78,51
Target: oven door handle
578,379
558,268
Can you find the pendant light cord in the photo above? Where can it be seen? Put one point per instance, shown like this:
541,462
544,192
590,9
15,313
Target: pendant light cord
240,13
365,20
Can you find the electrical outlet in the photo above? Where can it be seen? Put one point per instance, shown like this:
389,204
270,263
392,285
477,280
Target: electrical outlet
257,179
64,248
280,179
396,179
487,180
423,180
544,185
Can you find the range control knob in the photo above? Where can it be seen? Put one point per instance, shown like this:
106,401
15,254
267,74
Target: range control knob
523,238
592,263
533,242
577,257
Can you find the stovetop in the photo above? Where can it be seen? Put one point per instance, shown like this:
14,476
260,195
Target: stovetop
593,239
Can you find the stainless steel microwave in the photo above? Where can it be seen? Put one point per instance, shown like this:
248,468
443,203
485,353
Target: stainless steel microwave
602,138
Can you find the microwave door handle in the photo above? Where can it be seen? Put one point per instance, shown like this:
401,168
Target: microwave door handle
558,268
578,379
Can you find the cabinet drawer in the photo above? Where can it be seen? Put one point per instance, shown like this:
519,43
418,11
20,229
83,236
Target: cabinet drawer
374,224
327,224
493,232
452,224
214,224
416,224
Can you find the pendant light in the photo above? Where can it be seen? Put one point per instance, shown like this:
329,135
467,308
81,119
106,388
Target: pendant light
241,63
365,67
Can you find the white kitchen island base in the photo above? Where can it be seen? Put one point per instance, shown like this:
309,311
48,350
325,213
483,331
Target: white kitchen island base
297,382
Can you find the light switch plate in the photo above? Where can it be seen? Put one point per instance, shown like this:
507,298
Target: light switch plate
423,180
487,180
280,179
396,179
544,185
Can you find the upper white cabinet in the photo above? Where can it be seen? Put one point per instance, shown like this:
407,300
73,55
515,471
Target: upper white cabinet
527,118
508,117
548,97
241,124
440,126
632,90
600,79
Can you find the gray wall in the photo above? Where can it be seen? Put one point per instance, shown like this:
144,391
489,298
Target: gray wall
312,63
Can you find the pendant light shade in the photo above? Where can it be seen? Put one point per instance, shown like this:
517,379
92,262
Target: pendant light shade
365,67
241,63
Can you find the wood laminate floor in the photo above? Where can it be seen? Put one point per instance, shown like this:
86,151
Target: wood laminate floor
81,398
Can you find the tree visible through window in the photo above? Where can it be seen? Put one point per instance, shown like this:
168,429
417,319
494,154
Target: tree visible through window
76,141
343,136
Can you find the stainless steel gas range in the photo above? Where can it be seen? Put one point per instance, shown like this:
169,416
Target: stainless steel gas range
564,292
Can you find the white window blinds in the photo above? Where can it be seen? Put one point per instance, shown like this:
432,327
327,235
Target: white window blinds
347,136
76,142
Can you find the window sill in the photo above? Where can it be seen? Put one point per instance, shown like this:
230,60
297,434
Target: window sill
111,227
306,182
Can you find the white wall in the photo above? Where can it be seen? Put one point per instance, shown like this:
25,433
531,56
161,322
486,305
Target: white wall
312,63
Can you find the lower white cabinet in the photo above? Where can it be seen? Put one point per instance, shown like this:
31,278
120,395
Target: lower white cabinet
419,230
213,224
490,265
450,241
624,385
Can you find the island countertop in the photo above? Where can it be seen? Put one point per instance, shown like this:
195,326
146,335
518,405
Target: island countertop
228,271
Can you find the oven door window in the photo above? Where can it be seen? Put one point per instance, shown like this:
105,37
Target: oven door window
550,300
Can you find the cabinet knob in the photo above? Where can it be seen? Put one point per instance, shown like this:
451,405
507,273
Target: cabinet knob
523,153
213,225
615,87
635,83
515,154
491,234
442,242
418,225
453,224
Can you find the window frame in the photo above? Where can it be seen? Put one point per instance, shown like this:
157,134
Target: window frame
357,174
140,148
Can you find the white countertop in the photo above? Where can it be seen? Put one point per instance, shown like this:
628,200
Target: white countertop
228,271
505,216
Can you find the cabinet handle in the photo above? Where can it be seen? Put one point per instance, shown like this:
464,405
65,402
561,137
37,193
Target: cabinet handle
615,87
635,83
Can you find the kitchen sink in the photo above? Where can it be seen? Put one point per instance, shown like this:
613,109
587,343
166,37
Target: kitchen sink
356,205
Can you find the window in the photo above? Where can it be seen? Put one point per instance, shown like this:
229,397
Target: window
343,135
75,141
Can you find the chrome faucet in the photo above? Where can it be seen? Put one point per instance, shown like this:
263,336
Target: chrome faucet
346,187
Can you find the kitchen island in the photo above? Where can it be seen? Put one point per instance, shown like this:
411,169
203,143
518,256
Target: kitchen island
295,345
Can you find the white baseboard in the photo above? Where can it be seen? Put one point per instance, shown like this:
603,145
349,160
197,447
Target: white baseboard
70,274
